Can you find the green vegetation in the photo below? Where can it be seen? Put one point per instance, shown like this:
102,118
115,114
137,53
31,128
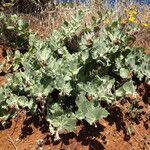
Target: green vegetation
66,77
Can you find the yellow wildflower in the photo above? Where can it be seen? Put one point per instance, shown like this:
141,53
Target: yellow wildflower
133,19
145,25
132,12
106,21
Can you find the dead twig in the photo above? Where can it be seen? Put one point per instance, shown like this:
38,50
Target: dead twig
142,138
12,142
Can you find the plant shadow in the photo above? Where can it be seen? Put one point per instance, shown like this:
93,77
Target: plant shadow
116,117
86,136
37,122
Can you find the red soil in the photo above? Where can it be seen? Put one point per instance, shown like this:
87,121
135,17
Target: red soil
23,132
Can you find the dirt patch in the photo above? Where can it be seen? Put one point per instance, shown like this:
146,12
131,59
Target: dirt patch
20,132
143,39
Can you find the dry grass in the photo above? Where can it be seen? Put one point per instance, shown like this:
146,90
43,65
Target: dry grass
43,23
48,21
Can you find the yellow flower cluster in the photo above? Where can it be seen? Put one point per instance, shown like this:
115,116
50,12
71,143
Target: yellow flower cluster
133,19
136,16
131,13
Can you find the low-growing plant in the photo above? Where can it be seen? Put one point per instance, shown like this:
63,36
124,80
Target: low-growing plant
66,85
14,31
